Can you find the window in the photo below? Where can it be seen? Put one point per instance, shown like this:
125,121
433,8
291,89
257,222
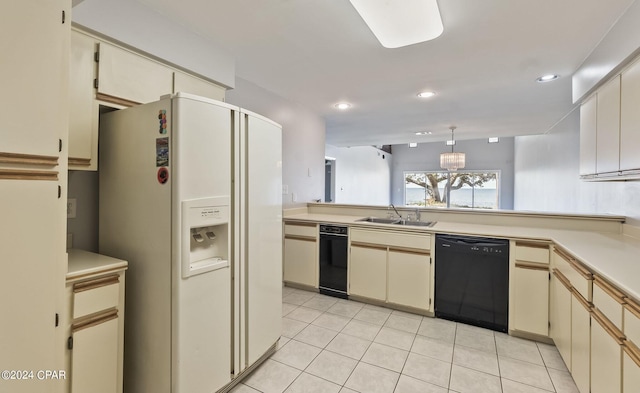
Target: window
470,189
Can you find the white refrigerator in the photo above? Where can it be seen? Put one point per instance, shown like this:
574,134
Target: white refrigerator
191,196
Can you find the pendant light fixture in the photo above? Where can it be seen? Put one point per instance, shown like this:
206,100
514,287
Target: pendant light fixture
452,161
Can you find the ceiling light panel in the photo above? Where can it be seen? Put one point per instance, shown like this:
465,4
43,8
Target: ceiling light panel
426,94
397,23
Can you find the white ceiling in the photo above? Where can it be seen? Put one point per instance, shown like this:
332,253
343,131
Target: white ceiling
483,67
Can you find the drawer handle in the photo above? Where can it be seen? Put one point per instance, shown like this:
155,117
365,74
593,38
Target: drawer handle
408,250
609,289
95,320
532,245
563,280
532,266
368,245
97,283
633,351
298,237
608,326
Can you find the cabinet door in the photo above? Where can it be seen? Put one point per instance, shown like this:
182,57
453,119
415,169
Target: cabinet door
606,360
300,262
588,137
531,300
190,84
631,368
131,77
368,272
94,358
580,343
83,111
409,278
560,318
34,77
630,118
608,127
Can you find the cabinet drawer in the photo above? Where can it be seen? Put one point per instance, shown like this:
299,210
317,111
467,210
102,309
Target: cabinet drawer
608,300
302,229
580,278
632,321
393,239
95,295
532,252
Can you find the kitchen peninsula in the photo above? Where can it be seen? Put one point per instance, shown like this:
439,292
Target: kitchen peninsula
573,278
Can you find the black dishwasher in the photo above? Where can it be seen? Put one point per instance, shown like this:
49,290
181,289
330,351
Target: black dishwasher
334,242
472,280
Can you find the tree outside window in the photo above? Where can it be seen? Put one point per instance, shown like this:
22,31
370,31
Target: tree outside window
452,189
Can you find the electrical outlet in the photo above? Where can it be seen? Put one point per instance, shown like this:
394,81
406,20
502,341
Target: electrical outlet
71,208
285,189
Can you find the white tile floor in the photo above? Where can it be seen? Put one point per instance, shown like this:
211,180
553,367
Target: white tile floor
331,345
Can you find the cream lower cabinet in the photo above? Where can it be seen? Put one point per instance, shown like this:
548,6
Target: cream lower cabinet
530,289
391,266
301,254
409,278
96,333
606,355
630,368
368,271
580,342
560,315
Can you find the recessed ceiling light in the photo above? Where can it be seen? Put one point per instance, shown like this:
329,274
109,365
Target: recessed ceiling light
424,133
547,78
426,94
343,105
494,139
401,23
413,144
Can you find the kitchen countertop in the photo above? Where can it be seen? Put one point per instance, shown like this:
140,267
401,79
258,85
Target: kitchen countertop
611,255
83,264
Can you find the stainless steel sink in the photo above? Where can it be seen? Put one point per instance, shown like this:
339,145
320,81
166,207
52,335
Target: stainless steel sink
379,220
397,221
416,223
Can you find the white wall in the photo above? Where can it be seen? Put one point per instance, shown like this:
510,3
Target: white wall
362,174
480,155
303,134
547,177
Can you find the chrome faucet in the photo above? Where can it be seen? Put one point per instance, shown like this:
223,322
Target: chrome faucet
417,214
396,210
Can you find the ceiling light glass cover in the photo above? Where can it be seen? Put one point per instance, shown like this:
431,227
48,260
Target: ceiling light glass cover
426,94
547,78
343,105
397,23
452,161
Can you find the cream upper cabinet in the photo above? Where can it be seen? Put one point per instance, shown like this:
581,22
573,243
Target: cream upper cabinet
630,118
35,69
608,127
530,289
186,83
588,137
128,78
301,254
409,278
83,112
